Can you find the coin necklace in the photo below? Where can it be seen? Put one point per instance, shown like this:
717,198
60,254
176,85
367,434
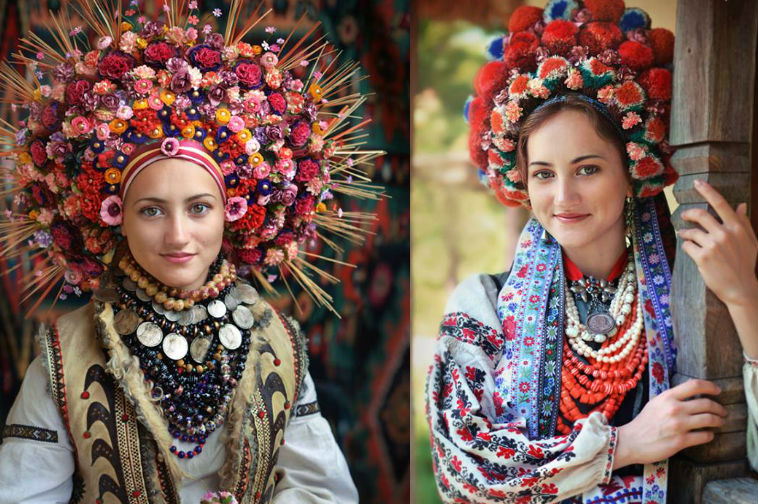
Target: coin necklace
193,359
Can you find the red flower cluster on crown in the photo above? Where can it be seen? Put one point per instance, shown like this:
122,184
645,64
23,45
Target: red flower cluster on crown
597,48
255,108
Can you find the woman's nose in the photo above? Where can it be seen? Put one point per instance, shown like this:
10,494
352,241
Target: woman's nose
176,234
566,191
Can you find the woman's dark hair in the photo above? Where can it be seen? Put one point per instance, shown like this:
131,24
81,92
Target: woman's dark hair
602,125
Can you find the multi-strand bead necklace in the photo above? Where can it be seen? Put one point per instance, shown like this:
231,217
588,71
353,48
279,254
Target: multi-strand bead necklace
192,355
599,378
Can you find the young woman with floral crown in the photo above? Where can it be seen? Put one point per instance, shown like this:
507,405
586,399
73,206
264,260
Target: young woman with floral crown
551,382
157,169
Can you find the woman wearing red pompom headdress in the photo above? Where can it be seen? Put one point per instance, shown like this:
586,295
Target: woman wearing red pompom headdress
552,381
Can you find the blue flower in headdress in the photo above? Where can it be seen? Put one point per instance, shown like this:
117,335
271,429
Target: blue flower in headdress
634,18
559,9
495,49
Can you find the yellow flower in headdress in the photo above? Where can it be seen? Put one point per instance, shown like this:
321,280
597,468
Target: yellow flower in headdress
315,91
223,116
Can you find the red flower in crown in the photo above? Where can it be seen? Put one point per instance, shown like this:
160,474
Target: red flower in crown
115,65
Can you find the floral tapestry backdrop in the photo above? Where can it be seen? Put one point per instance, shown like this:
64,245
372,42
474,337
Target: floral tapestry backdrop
360,362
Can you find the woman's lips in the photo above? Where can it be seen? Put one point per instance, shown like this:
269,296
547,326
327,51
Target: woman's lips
570,218
178,258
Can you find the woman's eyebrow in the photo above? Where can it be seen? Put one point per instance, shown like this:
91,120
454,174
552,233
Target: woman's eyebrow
160,200
574,161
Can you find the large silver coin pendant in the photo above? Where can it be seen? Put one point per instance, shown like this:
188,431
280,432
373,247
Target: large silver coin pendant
600,323
243,318
230,336
217,308
149,334
175,346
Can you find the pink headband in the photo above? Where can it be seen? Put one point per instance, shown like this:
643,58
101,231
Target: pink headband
168,149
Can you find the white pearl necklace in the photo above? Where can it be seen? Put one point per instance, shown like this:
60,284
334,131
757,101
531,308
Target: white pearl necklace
620,308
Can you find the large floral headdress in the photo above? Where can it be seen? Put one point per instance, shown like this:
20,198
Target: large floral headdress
270,120
596,48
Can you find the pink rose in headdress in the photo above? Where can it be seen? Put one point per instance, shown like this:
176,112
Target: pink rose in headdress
76,90
300,133
38,152
115,65
236,208
305,206
205,58
277,102
110,210
50,115
248,73
306,170
159,53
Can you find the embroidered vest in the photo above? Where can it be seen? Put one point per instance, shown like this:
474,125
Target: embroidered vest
120,438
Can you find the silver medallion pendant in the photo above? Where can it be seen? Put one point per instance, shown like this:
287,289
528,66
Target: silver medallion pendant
243,318
600,323
230,336
175,346
199,349
149,334
217,308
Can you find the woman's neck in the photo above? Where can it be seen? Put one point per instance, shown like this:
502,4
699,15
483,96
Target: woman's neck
597,259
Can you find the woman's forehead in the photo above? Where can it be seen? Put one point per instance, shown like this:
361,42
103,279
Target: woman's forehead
172,179
569,132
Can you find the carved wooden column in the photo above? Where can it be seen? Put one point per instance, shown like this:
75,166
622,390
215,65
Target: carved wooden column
712,122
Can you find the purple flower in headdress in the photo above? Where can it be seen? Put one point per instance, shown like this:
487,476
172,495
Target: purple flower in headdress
215,40
90,101
110,102
577,55
152,29
274,133
260,135
43,239
216,95
228,78
111,210
175,65
21,136
181,82
63,72
170,146
609,57
245,171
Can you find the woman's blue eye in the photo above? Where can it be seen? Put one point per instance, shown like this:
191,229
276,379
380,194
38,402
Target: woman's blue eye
588,170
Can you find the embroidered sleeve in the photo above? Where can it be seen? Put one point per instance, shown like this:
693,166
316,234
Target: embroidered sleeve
750,375
36,457
478,460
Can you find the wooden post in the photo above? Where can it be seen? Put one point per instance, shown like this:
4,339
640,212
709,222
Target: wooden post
712,128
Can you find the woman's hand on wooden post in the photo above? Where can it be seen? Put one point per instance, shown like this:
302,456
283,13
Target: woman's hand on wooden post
669,423
725,254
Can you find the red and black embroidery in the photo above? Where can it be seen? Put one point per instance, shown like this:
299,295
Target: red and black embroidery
462,327
30,432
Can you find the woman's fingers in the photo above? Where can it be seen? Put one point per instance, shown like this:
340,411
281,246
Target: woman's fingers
703,218
696,236
694,387
717,201
695,438
703,421
703,405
